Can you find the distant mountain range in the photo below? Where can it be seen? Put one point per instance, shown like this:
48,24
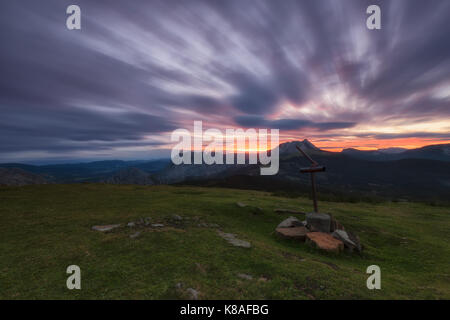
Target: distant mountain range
434,152
19,177
421,173
96,171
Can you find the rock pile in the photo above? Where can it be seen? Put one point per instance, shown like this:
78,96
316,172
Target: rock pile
321,231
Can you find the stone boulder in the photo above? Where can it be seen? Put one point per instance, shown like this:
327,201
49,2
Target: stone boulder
343,236
324,241
355,239
320,222
295,233
290,223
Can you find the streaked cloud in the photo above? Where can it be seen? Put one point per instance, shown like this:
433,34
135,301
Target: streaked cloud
140,69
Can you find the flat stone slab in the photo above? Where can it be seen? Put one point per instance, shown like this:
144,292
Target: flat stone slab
157,225
245,276
231,238
107,227
241,204
324,241
296,233
320,222
290,223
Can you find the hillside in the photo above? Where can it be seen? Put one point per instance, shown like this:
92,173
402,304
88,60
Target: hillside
95,171
130,176
19,177
421,174
46,228
439,152
414,179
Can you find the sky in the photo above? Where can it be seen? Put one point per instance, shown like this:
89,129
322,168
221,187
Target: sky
137,70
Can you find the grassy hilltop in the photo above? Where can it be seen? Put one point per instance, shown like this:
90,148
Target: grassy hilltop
46,228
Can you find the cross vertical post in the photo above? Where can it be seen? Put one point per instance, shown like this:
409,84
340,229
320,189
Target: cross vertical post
315,167
313,185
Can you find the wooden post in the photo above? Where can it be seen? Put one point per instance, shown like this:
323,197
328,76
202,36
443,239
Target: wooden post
315,167
313,184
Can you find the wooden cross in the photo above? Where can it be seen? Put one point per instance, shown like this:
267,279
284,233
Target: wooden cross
315,167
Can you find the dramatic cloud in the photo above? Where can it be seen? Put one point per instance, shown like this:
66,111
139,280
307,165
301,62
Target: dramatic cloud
290,124
137,70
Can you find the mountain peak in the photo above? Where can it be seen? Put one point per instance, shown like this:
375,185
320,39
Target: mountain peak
290,146
309,145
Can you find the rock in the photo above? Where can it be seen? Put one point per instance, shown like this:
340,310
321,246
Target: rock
245,276
296,233
157,225
131,224
193,294
212,225
355,239
290,222
289,211
318,222
208,225
135,235
177,217
147,221
105,228
343,236
324,241
231,238
179,285
241,205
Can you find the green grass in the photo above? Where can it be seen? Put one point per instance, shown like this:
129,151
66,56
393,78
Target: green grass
44,229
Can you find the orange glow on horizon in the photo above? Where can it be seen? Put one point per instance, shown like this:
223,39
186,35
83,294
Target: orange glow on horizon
359,144
374,144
